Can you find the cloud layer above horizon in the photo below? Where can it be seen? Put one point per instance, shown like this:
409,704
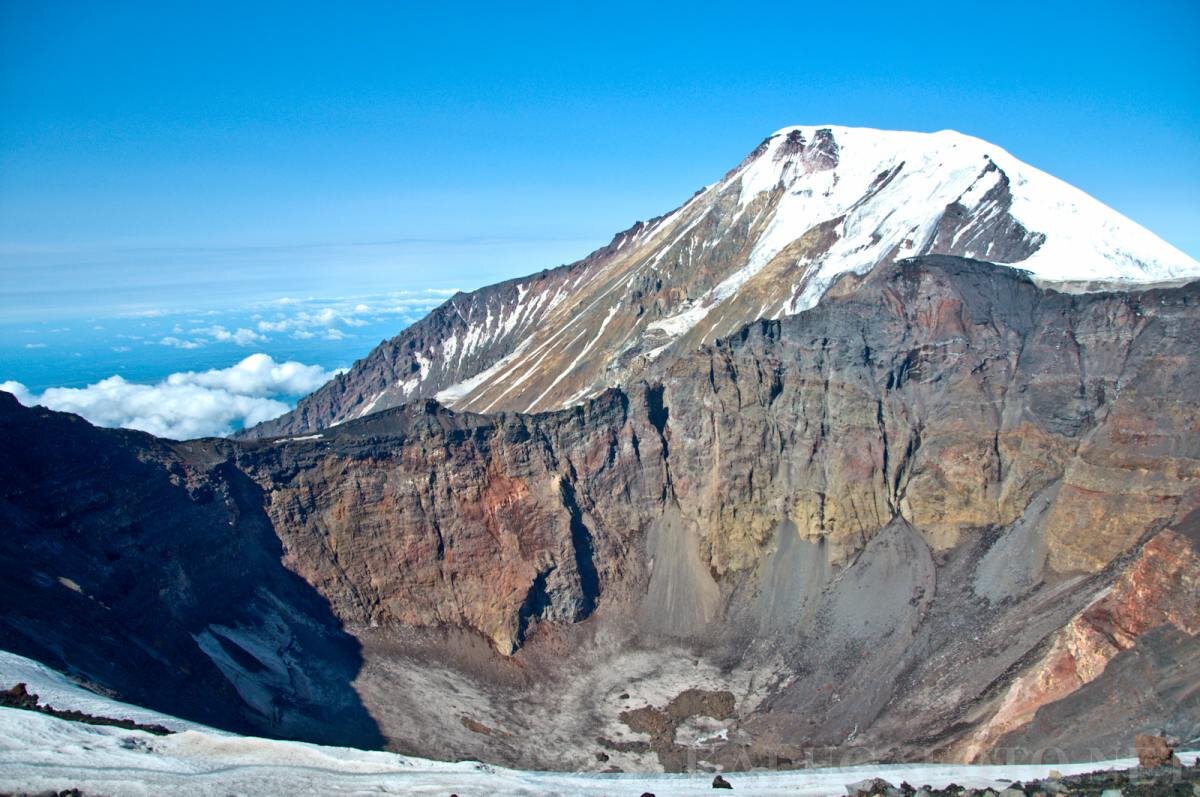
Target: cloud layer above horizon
188,404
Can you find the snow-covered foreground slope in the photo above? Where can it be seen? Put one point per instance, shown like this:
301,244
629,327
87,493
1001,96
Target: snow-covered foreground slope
807,206
43,753
40,753
55,689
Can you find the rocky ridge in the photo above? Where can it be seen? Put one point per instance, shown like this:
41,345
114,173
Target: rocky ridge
806,206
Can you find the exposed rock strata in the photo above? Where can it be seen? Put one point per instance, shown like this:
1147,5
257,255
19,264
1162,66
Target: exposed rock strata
905,521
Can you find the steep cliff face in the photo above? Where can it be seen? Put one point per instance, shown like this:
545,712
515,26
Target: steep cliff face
148,568
905,519
806,206
425,517
952,395
940,391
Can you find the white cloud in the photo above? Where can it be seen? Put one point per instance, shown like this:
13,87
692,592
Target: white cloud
18,390
35,345
309,318
187,404
179,343
244,337
326,317
241,336
258,375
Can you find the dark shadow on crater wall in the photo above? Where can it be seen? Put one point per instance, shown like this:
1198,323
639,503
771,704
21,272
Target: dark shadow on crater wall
149,570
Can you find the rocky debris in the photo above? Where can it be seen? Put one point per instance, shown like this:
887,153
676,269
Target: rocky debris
1161,587
1139,782
720,783
1154,751
19,697
691,702
624,746
662,723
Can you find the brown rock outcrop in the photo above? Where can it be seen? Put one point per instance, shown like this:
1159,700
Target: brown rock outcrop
428,518
1153,751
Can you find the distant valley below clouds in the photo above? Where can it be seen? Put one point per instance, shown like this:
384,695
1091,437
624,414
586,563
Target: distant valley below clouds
186,374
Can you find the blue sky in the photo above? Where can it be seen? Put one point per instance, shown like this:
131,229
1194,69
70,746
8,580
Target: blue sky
170,152
166,157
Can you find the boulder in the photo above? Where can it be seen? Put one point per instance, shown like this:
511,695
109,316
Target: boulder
1153,751
872,786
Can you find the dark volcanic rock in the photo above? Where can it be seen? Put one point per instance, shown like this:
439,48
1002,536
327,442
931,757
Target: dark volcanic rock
988,230
150,569
1179,782
20,698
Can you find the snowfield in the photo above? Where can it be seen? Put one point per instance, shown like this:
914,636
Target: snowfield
40,753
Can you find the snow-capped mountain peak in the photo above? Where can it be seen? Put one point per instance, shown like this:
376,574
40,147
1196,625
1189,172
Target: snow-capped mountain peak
895,190
808,204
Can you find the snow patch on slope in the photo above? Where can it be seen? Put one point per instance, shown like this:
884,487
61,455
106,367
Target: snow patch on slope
456,391
579,357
